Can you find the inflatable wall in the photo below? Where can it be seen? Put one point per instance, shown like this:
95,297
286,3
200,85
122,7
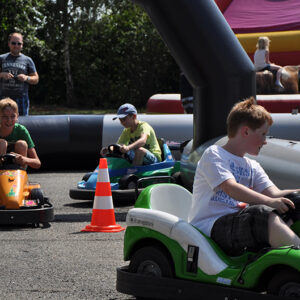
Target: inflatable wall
74,141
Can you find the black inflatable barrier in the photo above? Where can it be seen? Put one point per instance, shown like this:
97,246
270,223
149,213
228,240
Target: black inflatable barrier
66,141
210,56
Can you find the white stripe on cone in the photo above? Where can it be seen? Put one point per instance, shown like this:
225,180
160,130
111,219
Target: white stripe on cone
103,175
103,202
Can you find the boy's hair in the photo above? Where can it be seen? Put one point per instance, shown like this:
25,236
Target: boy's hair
7,102
263,43
247,113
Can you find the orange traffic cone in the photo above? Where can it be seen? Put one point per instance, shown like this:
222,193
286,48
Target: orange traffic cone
103,216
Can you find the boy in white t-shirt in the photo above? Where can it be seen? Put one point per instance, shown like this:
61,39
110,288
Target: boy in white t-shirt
234,201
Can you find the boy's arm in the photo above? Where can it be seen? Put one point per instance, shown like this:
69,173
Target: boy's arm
242,193
274,191
137,144
32,160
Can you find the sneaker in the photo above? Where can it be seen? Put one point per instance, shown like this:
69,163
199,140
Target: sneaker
278,83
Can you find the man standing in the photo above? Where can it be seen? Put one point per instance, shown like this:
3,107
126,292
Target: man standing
17,72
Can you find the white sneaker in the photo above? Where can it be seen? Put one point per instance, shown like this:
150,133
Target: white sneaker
278,83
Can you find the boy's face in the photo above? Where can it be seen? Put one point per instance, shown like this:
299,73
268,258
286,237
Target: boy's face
8,117
128,121
256,139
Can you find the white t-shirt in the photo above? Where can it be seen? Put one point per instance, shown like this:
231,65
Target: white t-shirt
216,166
260,59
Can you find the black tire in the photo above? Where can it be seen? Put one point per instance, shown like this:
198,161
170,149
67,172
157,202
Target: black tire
37,194
82,194
285,283
177,178
151,261
128,182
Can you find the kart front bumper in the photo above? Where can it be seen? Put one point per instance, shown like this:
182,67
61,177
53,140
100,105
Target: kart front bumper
27,216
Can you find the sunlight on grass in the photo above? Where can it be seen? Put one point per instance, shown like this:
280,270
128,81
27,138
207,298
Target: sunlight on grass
60,110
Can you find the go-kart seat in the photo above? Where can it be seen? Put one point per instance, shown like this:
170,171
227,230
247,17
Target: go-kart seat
161,143
168,214
171,198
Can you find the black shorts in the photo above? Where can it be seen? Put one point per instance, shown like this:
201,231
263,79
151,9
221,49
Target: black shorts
10,148
267,68
243,230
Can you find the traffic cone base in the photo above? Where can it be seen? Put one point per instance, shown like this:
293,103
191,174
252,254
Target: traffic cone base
103,220
108,228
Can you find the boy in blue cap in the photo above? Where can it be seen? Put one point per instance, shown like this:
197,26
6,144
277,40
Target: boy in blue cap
138,138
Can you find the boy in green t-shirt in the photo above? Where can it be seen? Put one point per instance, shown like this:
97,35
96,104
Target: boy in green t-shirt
14,137
138,139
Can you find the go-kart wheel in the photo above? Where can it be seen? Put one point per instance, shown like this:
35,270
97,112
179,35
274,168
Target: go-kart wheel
177,178
151,261
37,194
285,283
128,182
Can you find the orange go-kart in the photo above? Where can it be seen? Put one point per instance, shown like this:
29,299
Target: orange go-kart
20,201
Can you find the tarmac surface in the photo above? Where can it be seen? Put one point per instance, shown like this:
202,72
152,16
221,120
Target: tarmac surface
61,262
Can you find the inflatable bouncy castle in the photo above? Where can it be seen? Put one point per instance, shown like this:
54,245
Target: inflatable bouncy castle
279,20
250,19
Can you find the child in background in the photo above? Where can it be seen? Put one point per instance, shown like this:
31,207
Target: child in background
262,61
234,201
14,137
138,138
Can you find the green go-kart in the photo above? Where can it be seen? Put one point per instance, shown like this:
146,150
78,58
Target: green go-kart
171,259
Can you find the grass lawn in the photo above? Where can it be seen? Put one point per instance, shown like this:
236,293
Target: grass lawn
61,110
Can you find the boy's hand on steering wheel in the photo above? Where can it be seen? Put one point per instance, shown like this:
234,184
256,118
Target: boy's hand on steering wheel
19,159
124,148
282,204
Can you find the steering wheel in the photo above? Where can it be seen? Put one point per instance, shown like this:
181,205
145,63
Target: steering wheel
114,151
293,214
7,159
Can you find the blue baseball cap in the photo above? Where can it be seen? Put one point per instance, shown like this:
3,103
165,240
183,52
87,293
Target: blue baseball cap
124,110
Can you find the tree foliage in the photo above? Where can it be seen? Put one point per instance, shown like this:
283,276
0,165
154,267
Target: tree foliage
96,53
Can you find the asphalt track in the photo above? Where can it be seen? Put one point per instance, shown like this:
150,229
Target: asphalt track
61,262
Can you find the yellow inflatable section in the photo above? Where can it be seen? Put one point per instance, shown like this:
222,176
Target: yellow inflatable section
281,41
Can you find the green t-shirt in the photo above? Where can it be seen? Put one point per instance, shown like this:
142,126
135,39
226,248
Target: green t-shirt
19,132
127,137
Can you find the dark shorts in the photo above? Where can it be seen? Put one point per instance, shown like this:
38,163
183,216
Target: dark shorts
10,147
243,230
267,68
149,157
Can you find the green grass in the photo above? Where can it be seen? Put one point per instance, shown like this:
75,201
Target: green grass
61,110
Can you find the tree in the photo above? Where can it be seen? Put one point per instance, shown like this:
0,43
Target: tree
96,53
127,60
